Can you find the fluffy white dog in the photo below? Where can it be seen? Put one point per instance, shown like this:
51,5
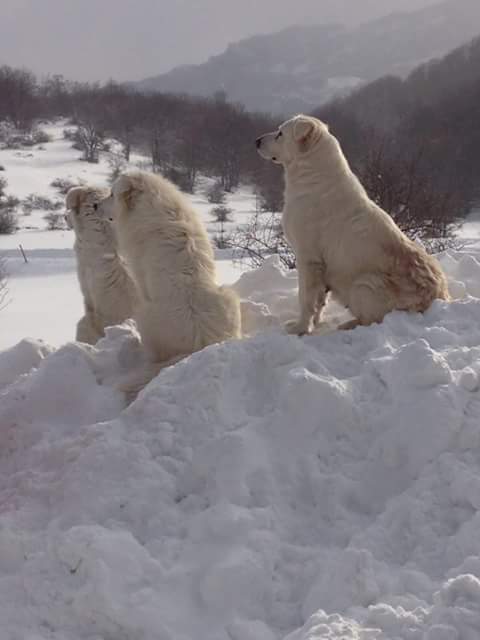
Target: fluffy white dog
343,241
107,288
181,308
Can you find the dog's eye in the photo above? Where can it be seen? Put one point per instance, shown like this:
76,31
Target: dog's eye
279,135
95,206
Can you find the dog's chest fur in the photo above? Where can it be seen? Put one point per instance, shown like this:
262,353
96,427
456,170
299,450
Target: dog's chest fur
309,232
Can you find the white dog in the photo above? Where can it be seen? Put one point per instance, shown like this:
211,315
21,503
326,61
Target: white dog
107,288
343,241
181,308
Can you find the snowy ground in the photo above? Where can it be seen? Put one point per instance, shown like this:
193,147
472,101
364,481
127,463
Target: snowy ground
275,488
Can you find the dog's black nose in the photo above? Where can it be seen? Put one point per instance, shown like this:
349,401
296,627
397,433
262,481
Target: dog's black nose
258,142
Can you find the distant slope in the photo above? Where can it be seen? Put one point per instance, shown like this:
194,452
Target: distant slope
304,66
391,100
431,118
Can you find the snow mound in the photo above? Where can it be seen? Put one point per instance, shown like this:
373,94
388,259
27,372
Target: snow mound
20,359
318,488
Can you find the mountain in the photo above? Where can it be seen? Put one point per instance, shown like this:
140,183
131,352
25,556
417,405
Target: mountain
427,123
392,101
302,67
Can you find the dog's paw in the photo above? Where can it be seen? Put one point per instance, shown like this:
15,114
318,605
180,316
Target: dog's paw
297,328
348,326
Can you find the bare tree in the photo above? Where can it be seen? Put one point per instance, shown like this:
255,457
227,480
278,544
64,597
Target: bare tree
269,188
399,182
90,139
120,114
18,101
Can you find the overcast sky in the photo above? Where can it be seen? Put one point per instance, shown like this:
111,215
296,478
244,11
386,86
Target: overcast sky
132,39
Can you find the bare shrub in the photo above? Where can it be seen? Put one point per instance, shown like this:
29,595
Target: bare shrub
55,221
8,221
262,237
40,136
216,193
6,131
63,185
222,240
8,205
269,188
35,202
400,184
19,139
117,164
69,134
221,213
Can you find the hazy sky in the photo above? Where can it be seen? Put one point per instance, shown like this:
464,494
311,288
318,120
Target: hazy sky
132,39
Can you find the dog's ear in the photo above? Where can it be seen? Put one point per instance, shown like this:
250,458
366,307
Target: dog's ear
74,198
306,131
123,189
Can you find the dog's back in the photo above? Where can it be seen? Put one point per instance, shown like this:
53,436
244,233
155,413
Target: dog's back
181,308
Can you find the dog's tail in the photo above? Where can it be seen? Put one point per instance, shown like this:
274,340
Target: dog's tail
139,379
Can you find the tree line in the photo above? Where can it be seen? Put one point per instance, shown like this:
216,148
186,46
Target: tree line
183,136
414,142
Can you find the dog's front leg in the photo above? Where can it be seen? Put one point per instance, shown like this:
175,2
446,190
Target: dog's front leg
312,293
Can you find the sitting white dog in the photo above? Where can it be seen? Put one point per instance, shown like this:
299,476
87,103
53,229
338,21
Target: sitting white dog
107,288
181,308
343,241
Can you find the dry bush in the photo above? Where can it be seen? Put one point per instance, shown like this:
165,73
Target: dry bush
35,202
262,237
63,185
8,205
400,184
55,221
216,193
117,165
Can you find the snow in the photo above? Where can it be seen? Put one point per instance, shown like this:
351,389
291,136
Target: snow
343,82
275,488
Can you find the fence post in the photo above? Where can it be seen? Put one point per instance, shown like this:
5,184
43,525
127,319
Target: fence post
23,253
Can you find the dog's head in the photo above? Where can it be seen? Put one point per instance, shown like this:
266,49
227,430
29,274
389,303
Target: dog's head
82,204
293,138
126,188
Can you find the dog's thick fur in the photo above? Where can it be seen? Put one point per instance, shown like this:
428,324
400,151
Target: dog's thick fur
342,240
181,308
107,288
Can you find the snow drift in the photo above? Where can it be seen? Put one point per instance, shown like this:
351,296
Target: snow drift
324,487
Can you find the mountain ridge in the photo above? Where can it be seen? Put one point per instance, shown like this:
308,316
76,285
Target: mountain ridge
302,67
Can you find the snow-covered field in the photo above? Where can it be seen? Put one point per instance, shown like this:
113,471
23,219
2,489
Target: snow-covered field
318,488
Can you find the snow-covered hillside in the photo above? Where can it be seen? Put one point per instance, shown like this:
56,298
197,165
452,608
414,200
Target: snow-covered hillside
275,488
